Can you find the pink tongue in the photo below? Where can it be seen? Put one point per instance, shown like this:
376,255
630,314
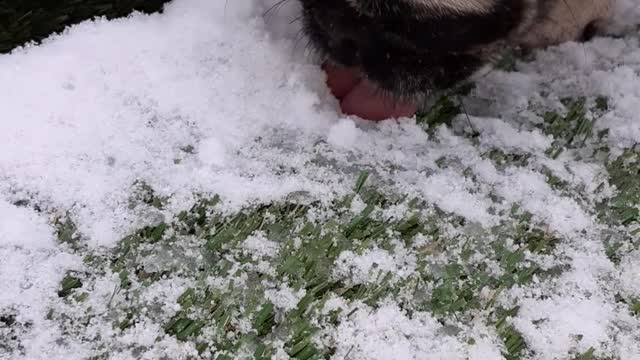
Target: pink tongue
341,80
367,102
360,97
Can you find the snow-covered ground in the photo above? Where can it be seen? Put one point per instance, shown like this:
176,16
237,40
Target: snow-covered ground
214,97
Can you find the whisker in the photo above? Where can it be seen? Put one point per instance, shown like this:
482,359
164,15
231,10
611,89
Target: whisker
575,22
466,114
297,18
275,7
299,36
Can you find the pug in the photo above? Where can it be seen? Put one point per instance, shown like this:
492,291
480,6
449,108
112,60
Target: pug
382,57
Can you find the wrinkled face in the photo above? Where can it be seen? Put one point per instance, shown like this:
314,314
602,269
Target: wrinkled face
409,47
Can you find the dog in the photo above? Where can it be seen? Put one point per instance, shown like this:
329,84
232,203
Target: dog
398,51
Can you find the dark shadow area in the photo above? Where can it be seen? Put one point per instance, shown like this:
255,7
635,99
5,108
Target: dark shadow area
22,21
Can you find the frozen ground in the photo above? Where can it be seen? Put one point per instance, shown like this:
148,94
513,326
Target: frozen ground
181,186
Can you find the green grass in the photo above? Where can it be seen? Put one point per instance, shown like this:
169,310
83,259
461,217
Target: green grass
444,109
22,21
514,343
442,112
67,285
622,211
624,172
570,130
503,160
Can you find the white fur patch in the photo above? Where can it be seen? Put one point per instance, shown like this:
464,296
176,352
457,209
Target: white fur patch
457,6
566,20
444,6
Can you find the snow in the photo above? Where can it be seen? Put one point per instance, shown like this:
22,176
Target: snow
106,116
30,272
211,97
554,326
497,133
629,275
258,245
372,265
343,134
606,67
23,228
419,337
29,279
454,194
284,297
212,152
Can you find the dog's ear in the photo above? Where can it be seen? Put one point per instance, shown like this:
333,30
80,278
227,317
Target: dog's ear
567,20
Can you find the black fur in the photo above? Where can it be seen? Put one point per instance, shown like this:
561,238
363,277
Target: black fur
405,51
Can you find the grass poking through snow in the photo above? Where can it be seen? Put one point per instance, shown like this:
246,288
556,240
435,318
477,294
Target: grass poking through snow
256,282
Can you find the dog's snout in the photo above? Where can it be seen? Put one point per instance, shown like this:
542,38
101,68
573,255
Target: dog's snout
346,49
343,37
411,47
